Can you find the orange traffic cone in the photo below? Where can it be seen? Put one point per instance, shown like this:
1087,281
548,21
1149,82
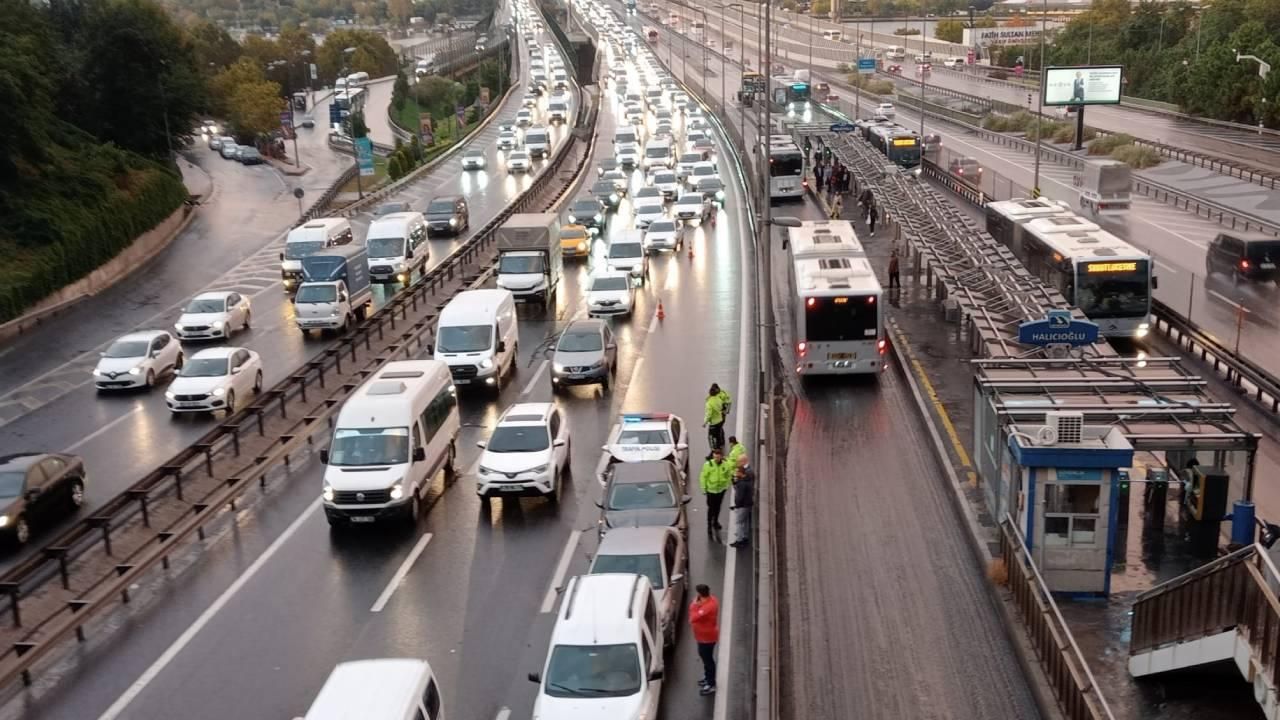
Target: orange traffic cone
690,250
662,314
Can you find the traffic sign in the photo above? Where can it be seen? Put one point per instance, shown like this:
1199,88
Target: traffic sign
1058,328
867,66
843,127
364,155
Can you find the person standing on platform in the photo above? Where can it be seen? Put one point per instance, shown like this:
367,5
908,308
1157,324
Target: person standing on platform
744,489
872,216
894,280
715,478
837,206
704,617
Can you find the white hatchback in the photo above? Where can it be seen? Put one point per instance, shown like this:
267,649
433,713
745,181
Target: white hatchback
518,161
213,379
137,359
649,209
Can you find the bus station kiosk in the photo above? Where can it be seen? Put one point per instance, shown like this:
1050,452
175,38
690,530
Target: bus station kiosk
1070,476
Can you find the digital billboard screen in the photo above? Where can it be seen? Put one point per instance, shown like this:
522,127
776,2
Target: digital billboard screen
1083,85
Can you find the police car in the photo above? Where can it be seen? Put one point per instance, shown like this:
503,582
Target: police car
646,436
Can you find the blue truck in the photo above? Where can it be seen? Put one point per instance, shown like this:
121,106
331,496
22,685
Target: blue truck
335,289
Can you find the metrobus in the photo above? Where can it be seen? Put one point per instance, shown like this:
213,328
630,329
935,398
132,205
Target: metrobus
786,170
793,95
351,100
897,143
1107,278
837,305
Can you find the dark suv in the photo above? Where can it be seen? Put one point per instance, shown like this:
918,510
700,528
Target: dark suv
589,213
448,214
1244,256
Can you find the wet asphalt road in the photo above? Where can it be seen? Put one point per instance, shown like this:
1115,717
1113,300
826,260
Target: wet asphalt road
233,244
879,584
473,602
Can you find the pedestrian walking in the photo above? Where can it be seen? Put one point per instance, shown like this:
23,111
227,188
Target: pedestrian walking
715,479
836,206
864,201
844,184
744,489
704,617
894,280
872,217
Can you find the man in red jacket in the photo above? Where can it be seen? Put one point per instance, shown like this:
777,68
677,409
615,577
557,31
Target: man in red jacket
704,615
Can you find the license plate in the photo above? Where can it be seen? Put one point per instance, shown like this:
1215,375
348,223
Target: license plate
1267,266
461,382
511,488
841,356
361,518
190,404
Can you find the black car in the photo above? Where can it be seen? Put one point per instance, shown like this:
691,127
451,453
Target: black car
1244,256
604,191
589,213
448,214
38,489
712,190
644,494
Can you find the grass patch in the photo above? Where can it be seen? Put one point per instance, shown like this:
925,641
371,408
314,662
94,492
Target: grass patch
1106,144
1137,157
368,183
1021,121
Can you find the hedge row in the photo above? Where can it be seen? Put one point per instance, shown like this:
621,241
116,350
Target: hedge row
78,211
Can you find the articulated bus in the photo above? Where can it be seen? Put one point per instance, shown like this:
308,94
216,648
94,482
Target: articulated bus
793,95
899,144
1107,278
786,170
836,303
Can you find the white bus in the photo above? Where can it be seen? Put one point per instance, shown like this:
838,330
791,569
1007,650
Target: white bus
786,171
832,35
1107,278
837,302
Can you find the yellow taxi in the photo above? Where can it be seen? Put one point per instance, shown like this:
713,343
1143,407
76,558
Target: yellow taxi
575,241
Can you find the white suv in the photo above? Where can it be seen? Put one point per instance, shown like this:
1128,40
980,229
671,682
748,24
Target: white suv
605,658
526,454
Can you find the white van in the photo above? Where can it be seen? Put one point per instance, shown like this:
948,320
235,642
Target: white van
308,238
832,35
382,689
626,135
657,153
559,79
605,654
393,434
397,245
895,52
478,336
357,79
537,140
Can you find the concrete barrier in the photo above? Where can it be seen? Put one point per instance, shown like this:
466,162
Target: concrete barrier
139,253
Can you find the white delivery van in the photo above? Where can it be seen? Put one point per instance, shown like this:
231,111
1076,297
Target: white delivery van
357,79
392,436
382,689
478,336
626,135
397,246
310,237
537,140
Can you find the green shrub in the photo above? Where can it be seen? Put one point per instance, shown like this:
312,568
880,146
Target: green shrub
1107,143
1137,156
999,75
843,68
907,31
394,170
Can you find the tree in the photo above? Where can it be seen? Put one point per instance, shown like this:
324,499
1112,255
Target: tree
394,170
400,91
255,109
437,94
370,53
25,90
214,47
820,8
950,31
400,11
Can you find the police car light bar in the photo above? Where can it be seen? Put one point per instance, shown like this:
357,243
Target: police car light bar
644,417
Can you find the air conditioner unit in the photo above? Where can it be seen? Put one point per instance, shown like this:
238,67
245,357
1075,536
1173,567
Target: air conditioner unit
1069,426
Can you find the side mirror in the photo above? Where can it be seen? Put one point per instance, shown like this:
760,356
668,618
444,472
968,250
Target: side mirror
324,457
559,443
1155,282
342,297
604,448
102,354
535,677
682,446
431,349
281,257
685,500
481,443
408,255
502,346
600,504
677,578
655,676
236,370
419,454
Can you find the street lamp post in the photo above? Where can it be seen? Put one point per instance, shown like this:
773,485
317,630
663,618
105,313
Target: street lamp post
1044,29
810,13
355,152
924,55
1264,68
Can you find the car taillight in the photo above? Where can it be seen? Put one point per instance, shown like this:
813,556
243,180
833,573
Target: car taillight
1244,264
802,349
880,346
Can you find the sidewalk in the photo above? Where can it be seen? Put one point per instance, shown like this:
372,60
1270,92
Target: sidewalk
198,181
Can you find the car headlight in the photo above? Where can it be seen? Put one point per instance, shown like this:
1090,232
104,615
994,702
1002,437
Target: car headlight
168,394
97,372
333,313
486,363
557,367
179,327
539,469
599,217
453,222
613,197
218,324
488,471
327,493
4,521
135,370
720,195
219,392
397,491
573,220
582,246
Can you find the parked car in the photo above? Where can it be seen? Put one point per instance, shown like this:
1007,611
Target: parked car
250,156
649,493
659,554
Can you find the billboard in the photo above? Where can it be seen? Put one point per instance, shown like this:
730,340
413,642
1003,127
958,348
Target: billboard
1083,85
986,37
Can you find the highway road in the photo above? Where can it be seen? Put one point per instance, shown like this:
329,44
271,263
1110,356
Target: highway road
258,620
1245,316
879,584
47,399
375,111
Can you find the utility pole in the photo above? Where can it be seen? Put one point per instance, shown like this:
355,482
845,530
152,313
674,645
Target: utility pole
1044,29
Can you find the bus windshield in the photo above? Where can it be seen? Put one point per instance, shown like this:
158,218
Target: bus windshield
786,164
841,319
1113,289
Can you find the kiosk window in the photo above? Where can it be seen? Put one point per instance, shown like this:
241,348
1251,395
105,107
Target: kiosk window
1071,514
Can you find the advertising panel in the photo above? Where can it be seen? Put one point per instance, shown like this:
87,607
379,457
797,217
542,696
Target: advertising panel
1083,85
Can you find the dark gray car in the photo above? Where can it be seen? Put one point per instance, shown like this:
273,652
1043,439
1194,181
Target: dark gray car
448,214
38,489
604,191
644,494
587,354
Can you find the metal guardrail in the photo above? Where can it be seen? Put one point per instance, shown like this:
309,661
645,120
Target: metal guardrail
1077,692
53,593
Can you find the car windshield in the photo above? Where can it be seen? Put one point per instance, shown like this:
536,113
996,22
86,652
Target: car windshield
644,437
474,155
642,496
625,250
704,171
309,293
370,446
709,185
604,187
299,250
593,671
464,338
390,247
664,178
648,565
583,340
520,155
519,439
521,264
610,284
11,483
690,200
127,349
206,305
662,226
649,192
205,367
691,158
440,207
586,207
657,152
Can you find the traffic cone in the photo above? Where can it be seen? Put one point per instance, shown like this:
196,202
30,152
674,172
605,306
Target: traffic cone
690,250
662,314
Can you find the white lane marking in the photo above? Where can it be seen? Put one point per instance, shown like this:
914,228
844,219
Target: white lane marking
1227,300
549,600
85,440
151,673
1167,267
653,324
401,573
503,714
542,367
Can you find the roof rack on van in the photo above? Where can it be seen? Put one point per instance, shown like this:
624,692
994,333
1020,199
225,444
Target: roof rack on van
573,595
631,603
401,374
